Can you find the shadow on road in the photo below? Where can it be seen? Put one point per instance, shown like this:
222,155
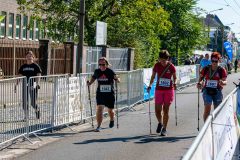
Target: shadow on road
163,139
138,139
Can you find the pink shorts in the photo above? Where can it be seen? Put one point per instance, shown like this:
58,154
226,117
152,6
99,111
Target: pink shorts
164,97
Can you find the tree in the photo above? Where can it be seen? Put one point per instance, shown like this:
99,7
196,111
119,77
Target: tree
1,18
146,25
135,23
187,32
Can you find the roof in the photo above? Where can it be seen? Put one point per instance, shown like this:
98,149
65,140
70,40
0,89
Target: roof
212,21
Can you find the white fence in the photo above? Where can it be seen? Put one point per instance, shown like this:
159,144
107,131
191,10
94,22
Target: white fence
219,136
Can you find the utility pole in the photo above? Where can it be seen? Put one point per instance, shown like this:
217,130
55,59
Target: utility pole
222,30
81,36
216,40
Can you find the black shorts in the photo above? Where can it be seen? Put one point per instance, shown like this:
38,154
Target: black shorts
106,99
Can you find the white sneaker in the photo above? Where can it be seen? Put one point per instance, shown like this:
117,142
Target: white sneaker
98,129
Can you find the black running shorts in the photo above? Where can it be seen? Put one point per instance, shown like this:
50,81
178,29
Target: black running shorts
106,99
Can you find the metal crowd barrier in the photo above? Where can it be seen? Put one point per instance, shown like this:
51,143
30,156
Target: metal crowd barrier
47,102
194,76
12,118
219,134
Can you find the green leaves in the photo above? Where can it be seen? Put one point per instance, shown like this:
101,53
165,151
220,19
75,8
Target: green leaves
146,25
1,17
187,30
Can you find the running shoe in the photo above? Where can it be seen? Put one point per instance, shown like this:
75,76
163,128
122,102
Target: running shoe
163,132
111,124
98,129
159,128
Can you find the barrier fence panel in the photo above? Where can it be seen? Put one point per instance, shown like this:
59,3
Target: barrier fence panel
41,102
61,104
118,58
13,122
76,110
135,86
84,95
59,100
203,147
187,74
123,93
219,136
93,54
225,130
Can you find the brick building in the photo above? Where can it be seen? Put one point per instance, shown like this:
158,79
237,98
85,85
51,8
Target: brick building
20,33
18,26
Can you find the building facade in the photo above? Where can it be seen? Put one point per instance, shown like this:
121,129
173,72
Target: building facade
18,26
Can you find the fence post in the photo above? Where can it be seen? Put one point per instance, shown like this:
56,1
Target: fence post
142,80
14,57
104,51
54,100
130,61
28,101
128,88
69,50
44,56
68,106
213,153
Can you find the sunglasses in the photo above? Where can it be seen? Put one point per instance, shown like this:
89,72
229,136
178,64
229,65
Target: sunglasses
101,64
214,61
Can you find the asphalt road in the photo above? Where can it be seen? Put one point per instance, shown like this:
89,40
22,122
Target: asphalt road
132,140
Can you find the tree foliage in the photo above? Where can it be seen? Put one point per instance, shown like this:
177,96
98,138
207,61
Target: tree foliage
146,25
1,17
187,31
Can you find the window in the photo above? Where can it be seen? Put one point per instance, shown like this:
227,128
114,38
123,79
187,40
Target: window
10,25
31,27
25,23
37,30
3,25
18,26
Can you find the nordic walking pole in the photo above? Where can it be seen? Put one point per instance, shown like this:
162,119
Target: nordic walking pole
90,103
116,103
198,109
175,105
149,113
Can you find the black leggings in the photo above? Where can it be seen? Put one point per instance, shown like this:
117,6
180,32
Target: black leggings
31,93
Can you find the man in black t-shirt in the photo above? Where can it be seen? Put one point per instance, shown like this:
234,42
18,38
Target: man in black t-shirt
30,69
105,91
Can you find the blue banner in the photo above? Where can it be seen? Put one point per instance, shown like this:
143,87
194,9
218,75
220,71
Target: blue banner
228,48
147,73
152,91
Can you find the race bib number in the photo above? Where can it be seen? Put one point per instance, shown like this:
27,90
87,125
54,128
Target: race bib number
212,83
105,88
164,82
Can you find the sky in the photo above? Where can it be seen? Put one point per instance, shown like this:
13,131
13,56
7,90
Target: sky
229,14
